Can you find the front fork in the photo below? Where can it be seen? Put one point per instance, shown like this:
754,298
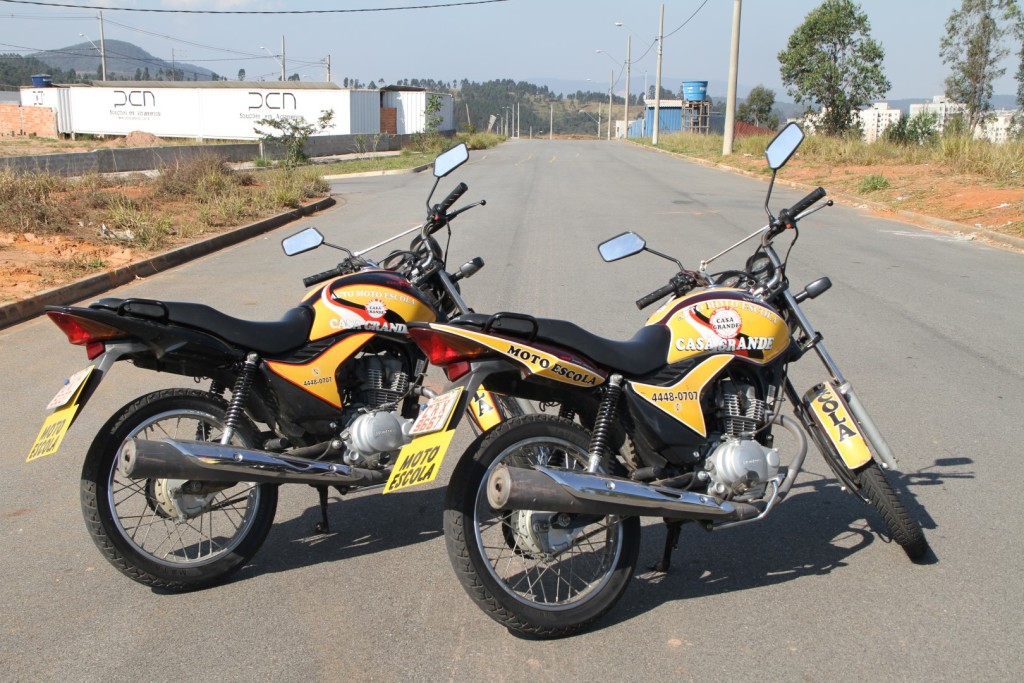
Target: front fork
879,448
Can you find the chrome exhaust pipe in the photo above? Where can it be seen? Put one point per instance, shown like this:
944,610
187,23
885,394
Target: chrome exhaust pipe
206,461
557,490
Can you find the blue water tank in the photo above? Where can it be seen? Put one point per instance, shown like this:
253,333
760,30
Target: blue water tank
695,91
42,81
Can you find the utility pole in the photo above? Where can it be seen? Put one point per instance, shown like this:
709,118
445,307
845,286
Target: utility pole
599,122
625,116
611,80
657,80
730,100
103,51
328,68
283,77
551,123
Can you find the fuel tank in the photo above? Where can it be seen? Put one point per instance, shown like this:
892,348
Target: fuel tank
720,320
372,301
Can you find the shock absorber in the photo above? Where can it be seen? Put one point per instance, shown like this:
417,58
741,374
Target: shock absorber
603,423
239,395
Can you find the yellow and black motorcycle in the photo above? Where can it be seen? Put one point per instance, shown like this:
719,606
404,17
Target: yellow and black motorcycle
179,488
541,515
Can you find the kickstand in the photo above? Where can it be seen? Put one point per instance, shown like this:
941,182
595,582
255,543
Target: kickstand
323,526
672,529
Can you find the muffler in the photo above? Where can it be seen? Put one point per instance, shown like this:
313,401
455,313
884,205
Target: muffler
557,490
206,461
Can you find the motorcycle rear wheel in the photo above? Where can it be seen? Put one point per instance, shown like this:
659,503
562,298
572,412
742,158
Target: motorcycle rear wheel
138,525
903,528
515,575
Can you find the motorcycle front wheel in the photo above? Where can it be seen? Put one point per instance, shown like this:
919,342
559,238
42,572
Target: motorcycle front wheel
904,529
150,529
531,575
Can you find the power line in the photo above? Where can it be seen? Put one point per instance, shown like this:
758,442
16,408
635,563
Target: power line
688,20
257,12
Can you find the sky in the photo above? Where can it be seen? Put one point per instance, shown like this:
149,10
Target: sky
555,42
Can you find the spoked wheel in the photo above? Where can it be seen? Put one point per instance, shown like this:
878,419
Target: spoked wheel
169,533
903,528
540,573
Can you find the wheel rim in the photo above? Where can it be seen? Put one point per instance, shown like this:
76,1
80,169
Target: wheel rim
216,522
559,577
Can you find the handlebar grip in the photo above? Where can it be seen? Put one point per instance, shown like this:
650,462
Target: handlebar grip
452,197
320,277
645,301
806,202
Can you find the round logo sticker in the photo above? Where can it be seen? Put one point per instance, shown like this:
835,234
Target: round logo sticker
725,322
376,308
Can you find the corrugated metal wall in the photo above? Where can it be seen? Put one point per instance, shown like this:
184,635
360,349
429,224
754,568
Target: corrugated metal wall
411,108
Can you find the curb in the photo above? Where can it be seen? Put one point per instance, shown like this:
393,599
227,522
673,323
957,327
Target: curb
372,174
20,311
940,224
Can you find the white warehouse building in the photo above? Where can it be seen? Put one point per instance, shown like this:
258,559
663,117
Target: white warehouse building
228,110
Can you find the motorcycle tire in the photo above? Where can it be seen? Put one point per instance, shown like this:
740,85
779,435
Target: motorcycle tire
150,531
903,528
545,584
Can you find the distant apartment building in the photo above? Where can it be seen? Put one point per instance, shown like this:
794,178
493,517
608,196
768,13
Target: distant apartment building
943,108
875,119
998,126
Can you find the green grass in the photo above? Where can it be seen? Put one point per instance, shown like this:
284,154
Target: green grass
873,183
389,163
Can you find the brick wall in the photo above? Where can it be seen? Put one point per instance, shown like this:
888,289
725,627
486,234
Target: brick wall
18,120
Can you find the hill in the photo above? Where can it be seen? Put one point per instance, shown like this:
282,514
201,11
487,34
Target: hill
125,61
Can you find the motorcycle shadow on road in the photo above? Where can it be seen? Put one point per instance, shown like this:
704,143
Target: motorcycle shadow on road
811,534
360,524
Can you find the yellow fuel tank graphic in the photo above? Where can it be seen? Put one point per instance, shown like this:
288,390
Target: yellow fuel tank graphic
722,321
375,302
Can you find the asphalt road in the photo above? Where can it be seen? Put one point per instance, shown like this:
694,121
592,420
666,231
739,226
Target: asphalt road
927,326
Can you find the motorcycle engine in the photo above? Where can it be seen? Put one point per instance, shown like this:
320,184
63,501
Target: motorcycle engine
739,466
378,383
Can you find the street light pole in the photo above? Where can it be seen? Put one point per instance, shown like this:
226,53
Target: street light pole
730,100
103,51
625,109
657,80
611,80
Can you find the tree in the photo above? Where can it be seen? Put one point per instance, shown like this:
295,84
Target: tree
295,77
432,113
241,74
973,47
292,132
831,61
757,109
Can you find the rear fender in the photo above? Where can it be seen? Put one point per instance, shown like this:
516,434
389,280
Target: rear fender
114,352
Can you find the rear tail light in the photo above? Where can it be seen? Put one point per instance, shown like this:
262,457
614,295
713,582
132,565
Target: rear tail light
444,349
83,331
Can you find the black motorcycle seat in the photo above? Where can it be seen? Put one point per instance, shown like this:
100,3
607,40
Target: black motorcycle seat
265,338
645,352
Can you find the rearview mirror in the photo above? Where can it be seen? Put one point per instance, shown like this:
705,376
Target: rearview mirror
782,147
300,242
621,246
446,162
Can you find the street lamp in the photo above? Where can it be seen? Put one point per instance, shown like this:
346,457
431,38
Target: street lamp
279,58
629,37
103,57
611,81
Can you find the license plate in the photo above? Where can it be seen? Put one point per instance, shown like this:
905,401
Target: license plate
436,415
419,461
56,425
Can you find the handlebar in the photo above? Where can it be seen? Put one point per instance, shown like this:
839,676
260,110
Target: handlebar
806,202
680,284
322,277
